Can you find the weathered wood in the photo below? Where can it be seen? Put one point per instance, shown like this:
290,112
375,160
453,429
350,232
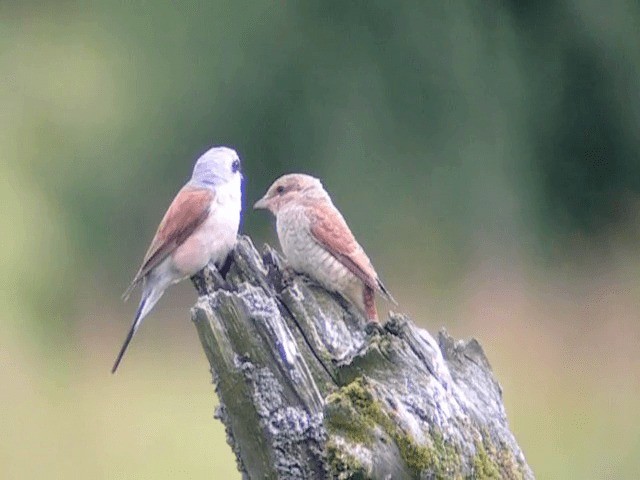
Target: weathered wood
306,391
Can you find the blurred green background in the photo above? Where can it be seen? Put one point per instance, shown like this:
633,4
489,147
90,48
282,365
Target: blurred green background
485,153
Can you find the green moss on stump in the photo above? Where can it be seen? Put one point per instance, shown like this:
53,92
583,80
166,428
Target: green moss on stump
484,467
494,461
353,413
343,466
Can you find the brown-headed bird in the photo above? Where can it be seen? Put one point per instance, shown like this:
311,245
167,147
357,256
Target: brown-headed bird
200,227
317,241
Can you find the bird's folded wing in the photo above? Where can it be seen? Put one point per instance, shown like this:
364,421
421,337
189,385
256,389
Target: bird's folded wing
330,230
187,212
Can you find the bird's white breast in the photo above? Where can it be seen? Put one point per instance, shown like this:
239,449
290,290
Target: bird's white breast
221,227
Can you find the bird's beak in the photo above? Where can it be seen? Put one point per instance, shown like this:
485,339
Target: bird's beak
262,203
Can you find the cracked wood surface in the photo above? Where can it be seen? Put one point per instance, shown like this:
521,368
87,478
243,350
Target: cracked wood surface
305,392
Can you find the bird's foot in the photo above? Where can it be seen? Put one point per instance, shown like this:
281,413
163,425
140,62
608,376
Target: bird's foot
214,278
373,327
226,266
288,274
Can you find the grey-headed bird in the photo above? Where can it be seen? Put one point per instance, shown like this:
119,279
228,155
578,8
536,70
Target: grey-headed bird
317,241
200,227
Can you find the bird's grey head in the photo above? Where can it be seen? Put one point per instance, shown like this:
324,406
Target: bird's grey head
216,166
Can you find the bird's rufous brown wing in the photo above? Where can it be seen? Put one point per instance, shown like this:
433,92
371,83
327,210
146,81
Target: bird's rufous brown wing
330,230
186,213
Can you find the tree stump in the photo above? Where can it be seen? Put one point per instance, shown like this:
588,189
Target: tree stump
307,392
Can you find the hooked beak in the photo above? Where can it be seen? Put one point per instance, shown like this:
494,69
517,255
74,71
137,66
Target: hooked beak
262,203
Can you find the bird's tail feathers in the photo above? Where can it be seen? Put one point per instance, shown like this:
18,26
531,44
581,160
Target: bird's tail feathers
146,304
386,293
132,285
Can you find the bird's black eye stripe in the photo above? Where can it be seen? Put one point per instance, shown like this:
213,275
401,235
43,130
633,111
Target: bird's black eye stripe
235,166
280,190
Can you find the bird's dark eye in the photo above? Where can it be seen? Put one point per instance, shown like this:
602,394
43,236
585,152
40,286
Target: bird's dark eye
280,190
235,166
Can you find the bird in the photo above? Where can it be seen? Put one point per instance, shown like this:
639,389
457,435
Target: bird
200,227
317,241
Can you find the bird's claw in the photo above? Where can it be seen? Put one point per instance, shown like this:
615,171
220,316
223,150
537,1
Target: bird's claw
373,327
288,274
214,278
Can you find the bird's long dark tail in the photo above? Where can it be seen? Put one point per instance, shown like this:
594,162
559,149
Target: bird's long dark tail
386,293
150,296
132,332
